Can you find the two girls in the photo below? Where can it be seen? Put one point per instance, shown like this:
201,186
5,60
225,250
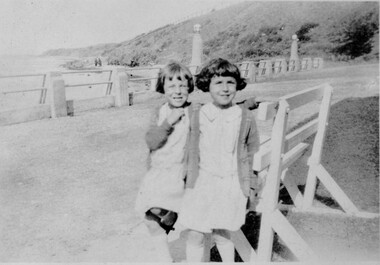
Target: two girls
208,150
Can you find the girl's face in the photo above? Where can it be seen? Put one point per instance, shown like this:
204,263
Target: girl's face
223,90
176,91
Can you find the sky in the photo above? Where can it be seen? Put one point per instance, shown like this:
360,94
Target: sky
34,26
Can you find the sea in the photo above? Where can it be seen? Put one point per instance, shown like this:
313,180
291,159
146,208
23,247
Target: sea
21,66
29,64
14,80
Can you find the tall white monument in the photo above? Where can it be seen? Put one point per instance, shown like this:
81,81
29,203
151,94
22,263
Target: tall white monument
294,61
197,52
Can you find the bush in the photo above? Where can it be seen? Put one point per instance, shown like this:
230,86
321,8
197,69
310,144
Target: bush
354,36
303,32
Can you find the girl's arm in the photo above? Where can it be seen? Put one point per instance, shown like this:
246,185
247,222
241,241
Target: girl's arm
157,135
253,145
249,103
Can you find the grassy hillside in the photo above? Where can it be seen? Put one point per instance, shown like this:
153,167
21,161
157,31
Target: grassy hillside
255,30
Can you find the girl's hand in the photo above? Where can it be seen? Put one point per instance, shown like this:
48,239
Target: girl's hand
252,200
175,116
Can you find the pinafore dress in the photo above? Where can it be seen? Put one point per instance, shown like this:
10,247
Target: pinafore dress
216,201
163,184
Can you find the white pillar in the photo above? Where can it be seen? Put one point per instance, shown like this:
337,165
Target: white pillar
153,82
57,95
294,59
197,52
120,87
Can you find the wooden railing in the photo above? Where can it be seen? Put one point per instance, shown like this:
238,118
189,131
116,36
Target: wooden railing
276,154
117,93
43,87
54,86
258,70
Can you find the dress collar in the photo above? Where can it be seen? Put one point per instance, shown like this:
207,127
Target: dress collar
212,112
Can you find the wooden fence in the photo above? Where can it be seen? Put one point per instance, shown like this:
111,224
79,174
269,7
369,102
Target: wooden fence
56,88
255,71
275,156
53,102
40,111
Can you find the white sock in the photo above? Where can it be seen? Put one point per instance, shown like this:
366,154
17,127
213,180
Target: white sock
194,252
161,244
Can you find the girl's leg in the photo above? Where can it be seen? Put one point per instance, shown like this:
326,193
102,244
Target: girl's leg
195,246
224,244
160,240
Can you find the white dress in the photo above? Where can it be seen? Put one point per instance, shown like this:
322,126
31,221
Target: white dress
216,201
163,185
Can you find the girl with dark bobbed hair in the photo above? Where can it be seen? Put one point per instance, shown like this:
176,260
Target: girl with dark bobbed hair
220,182
219,67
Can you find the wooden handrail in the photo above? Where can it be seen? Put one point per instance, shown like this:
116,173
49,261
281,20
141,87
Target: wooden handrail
139,92
89,84
142,68
23,75
85,71
142,79
23,90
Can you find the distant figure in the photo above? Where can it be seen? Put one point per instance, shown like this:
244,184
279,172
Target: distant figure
134,63
98,62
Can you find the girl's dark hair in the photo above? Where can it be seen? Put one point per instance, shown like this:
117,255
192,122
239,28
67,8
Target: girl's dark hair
171,70
219,67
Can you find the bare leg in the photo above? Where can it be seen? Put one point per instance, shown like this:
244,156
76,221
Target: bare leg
160,240
195,246
224,244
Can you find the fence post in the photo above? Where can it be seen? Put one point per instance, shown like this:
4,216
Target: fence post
247,70
280,66
294,61
294,66
320,63
267,66
309,64
120,86
153,81
306,64
251,72
57,89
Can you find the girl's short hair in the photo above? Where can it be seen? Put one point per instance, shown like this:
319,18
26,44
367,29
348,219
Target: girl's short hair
171,70
219,67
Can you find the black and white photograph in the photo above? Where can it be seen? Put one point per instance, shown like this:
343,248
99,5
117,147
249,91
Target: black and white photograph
189,131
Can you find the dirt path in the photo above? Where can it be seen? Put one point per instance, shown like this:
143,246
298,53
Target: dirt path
68,185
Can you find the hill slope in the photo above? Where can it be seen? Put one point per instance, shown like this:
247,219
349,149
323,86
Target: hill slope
252,30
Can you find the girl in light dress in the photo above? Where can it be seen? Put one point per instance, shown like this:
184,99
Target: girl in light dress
220,180
162,188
